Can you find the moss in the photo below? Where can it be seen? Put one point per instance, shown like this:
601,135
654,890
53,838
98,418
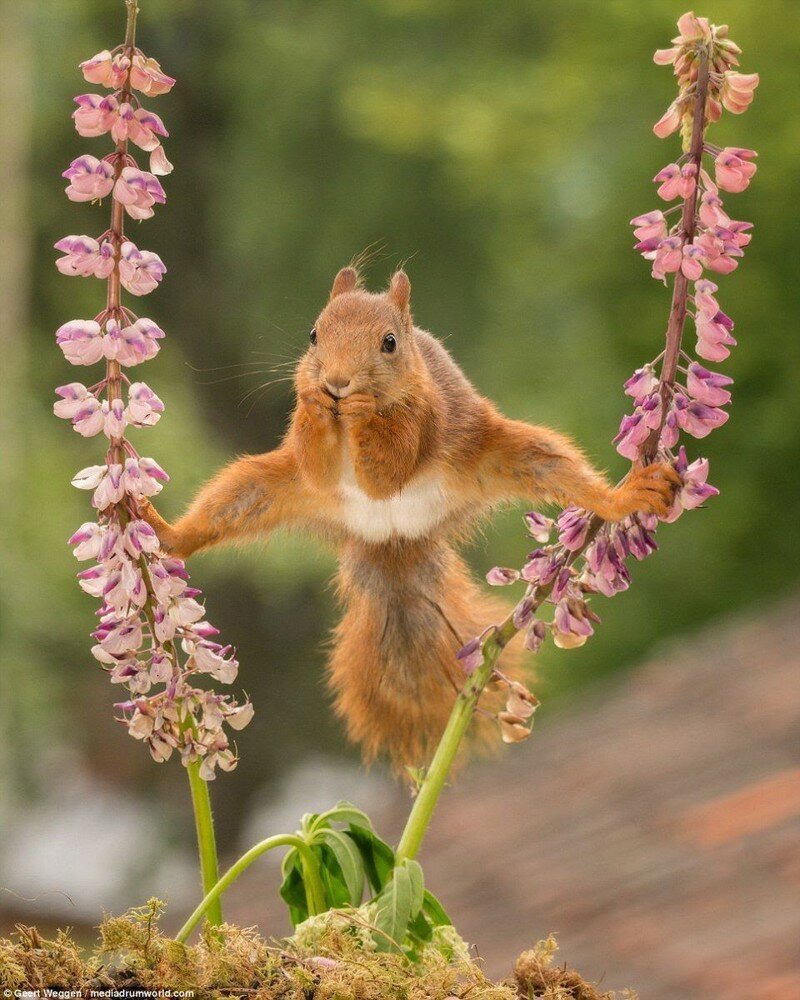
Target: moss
327,960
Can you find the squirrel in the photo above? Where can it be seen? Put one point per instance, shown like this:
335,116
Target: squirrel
391,455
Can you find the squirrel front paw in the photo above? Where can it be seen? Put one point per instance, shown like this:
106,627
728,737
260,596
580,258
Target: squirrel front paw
358,406
649,489
319,404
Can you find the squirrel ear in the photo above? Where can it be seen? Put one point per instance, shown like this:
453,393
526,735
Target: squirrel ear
345,281
400,290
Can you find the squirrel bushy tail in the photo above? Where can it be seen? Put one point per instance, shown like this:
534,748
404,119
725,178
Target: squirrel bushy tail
408,609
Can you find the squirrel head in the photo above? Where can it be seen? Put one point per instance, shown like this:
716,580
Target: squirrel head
363,341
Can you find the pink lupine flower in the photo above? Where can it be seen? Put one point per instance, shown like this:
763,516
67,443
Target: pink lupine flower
704,297
523,613
651,225
148,77
733,168
571,624
737,91
711,213
535,636
669,122
471,656
88,540
88,414
605,561
692,262
714,338
81,340
138,191
140,271
500,576
144,407
539,526
143,477
131,345
95,114
106,70
675,181
105,480
139,537
637,538
694,491
696,418
662,57
736,232
142,127
692,29
89,179
159,164
708,387
720,253
642,383
541,567
632,434
85,257
573,526
73,397
212,658
667,257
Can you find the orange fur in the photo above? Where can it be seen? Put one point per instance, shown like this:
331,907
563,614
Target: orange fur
392,456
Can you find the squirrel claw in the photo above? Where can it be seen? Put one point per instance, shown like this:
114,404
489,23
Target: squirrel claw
358,405
650,489
319,403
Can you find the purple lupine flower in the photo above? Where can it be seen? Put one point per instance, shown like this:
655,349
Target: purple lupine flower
85,257
89,179
539,527
500,576
573,526
706,386
471,655
140,271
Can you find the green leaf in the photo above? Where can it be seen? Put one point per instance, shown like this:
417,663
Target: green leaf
434,911
293,892
420,928
376,855
337,894
398,903
348,857
342,812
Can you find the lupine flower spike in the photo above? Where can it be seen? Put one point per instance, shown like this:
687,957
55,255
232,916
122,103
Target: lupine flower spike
674,394
152,635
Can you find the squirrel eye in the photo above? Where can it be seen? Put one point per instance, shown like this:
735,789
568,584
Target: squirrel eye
313,336
389,345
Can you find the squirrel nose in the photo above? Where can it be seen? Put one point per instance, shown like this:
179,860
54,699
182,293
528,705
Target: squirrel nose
337,383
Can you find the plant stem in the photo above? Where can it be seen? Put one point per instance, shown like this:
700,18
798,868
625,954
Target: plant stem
206,841
315,889
680,288
457,725
436,777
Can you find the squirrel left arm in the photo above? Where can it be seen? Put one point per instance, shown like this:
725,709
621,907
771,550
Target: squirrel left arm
535,463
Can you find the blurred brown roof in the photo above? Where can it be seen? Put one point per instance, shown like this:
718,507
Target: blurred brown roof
654,827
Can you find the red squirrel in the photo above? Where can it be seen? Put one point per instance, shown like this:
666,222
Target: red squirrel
391,455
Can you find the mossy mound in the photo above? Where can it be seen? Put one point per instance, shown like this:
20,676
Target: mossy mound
229,962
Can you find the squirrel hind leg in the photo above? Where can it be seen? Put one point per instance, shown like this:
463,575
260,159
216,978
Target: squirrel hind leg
393,670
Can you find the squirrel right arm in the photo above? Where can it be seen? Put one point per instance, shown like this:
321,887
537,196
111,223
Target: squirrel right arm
251,496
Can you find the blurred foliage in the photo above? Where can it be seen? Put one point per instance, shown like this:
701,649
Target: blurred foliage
499,150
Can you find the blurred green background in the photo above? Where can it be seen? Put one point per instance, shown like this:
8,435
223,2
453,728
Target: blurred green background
498,149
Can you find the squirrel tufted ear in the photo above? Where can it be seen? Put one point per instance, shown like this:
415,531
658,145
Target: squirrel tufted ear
400,290
345,281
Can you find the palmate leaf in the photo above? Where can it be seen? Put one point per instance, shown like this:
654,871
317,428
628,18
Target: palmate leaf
397,905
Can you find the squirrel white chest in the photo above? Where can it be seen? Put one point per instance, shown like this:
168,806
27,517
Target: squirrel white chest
410,513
